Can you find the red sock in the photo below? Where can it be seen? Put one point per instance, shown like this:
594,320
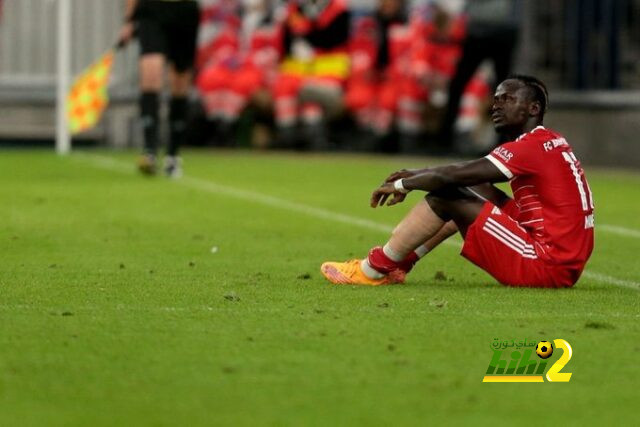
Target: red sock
409,261
382,263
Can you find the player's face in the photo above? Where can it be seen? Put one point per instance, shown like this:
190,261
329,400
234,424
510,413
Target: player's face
511,104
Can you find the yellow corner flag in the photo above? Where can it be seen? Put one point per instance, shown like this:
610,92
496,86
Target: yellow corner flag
88,96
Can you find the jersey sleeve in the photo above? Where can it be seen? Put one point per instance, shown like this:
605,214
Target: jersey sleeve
517,158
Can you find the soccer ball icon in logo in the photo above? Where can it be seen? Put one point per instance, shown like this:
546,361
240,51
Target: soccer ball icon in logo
544,349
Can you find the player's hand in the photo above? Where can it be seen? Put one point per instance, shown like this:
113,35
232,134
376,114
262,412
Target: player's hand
382,193
126,33
402,173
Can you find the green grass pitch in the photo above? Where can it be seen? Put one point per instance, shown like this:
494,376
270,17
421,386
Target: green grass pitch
134,301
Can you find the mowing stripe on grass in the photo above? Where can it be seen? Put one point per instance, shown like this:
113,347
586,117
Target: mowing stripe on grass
622,231
276,202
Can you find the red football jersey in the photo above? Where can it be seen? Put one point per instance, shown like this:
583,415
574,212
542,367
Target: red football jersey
555,204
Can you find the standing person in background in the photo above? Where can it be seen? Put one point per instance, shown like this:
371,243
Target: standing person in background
492,30
167,31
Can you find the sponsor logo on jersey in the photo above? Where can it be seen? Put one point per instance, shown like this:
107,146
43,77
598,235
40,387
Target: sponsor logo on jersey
503,153
555,143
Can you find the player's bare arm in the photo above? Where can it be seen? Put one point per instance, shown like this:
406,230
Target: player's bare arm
465,174
128,28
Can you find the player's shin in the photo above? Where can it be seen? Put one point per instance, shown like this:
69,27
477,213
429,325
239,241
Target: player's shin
399,253
419,226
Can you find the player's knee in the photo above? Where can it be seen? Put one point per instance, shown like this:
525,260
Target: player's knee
438,205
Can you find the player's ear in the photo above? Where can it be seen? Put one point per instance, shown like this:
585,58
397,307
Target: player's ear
535,109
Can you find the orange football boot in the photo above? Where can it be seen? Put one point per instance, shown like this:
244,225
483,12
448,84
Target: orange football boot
350,273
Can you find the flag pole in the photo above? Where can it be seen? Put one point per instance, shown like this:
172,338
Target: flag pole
63,139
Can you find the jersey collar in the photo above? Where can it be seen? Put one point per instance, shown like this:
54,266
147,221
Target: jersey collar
531,131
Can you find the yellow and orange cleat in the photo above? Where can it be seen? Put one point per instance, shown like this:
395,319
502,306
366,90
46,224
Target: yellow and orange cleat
350,273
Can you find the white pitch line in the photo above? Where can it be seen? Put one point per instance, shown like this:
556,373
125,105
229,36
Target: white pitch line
611,280
276,202
622,231
107,162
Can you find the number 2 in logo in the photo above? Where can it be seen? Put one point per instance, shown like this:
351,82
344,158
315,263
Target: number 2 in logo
554,374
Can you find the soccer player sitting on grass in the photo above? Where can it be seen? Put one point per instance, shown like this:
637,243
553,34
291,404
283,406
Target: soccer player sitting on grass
542,237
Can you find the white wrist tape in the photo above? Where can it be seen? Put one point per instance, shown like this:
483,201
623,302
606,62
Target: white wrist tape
397,184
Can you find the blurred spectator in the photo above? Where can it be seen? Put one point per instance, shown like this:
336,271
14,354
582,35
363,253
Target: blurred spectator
242,60
439,35
167,31
401,69
492,30
380,51
436,45
397,67
313,72
219,23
